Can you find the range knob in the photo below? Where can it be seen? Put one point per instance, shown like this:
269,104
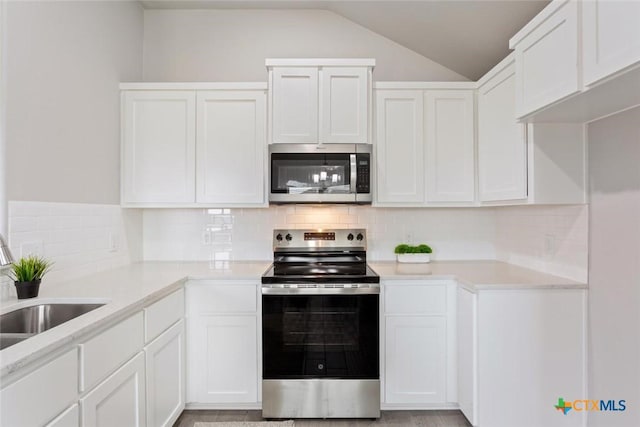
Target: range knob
350,237
279,237
288,237
360,237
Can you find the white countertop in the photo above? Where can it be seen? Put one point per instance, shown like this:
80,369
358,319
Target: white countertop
476,275
128,289
125,290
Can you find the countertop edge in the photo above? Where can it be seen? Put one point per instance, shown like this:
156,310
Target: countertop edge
80,332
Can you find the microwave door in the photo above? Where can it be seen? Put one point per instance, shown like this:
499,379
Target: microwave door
313,177
331,173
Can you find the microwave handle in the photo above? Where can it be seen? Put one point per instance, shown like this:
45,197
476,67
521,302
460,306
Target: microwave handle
354,173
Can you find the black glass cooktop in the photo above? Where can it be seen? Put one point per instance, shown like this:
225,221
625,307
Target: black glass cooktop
320,272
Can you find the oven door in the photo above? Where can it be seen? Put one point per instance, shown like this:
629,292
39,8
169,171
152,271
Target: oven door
326,336
319,173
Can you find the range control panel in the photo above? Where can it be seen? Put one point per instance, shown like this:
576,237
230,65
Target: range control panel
310,238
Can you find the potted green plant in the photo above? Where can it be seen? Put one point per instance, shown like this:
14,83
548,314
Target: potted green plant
27,273
413,254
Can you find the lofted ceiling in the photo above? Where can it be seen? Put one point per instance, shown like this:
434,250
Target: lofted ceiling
467,36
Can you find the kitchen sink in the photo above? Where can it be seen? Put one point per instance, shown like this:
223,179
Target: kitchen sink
18,325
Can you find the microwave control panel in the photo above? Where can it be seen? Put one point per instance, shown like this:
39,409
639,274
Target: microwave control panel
363,172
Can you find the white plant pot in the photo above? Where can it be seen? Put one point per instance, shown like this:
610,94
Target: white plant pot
414,258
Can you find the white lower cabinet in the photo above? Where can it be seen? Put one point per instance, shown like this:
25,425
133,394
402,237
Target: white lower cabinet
107,379
415,359
119,400
418,341
223,344
513,347
41,395
69,418
467,355
165,376
226,363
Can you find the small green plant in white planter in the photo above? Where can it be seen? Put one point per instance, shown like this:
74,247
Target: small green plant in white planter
413,254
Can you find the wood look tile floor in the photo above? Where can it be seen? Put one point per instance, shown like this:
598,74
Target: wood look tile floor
387,418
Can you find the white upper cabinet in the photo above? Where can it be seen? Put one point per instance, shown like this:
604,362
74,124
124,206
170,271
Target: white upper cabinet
539,163
399,146
295,105
449,140
320,100
345,100
231,144
578,61
547,57
611,37
158,149
425,144
194,144
502,155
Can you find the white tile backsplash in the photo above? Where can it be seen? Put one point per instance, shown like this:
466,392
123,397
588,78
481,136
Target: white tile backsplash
552,239
80,239
245,234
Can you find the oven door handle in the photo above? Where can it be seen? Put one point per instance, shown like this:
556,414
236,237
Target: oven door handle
294,290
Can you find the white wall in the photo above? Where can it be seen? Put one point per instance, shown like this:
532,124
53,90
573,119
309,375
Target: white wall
64,61
552,239
81,239
246,234
614,266
231,45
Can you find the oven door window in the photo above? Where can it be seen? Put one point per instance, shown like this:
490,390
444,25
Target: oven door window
314,336
313,173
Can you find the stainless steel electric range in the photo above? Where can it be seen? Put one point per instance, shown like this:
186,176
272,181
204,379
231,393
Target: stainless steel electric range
320,327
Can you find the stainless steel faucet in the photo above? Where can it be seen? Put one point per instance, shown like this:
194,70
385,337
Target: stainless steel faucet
6,257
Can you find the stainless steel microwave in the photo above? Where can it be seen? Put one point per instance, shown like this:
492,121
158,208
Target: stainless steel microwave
320,173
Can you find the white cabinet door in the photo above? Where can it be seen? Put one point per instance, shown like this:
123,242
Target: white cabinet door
399,146
39,396
69,418
344,104
523,338
231,147
295,105
502,152
223,365
467,354
449,142
610,37
165,364
158,148
415,359
119,400
547,61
